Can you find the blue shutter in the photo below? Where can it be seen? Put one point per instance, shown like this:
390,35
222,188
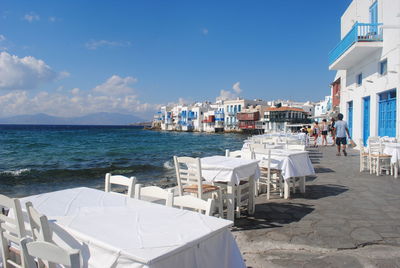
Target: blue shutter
366,124
350,117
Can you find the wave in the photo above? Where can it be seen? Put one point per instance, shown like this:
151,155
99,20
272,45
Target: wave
168,165
25,175
17,172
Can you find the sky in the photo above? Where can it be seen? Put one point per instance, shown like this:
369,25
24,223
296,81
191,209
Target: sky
70,58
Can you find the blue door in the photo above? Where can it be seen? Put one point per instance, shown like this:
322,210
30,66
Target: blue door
373,12
350,117
366,119
387,114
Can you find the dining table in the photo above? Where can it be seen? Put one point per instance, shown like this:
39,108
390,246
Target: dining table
231,171
292,164
393,149
113,230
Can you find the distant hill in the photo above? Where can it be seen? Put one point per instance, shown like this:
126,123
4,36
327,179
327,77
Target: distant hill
90,119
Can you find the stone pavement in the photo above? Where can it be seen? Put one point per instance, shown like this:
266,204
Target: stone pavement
345,219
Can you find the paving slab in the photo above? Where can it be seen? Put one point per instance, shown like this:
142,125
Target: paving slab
342,219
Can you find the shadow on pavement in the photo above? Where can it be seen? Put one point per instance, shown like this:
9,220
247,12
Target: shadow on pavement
321,191
272,215
323,170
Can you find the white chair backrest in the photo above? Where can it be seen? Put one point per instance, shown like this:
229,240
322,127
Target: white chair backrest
12,229
254,147
374,145
39,224
40,229
188,172
246,154
120,180
50,252
296,147
154,192
194,203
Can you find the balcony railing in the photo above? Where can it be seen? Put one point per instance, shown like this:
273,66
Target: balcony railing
361,32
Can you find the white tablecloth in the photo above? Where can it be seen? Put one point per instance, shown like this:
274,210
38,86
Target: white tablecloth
392,149
228,169
291,163
112,230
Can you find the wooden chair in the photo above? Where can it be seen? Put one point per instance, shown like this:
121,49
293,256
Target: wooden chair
122,181
296,147
12,230
269,176
194,203
190,181
49,252
377,160
364,157
155,193
242,190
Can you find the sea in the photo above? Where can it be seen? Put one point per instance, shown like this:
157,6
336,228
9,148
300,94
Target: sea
43,158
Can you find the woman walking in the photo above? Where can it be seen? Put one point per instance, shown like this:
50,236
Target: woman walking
324,132
315,133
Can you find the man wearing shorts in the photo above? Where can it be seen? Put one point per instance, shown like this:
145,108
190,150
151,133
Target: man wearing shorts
341,130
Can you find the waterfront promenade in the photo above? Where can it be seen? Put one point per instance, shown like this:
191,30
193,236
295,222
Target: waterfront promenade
345,219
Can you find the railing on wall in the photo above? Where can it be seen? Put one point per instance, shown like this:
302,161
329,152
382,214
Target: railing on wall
360,32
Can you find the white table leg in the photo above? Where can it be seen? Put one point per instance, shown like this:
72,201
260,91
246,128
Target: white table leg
302,183
286,189
252,206
230,199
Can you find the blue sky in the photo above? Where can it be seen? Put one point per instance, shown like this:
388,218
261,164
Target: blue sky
75,57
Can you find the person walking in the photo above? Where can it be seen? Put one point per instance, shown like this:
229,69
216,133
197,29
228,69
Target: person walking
332,131
341,130
324,132
316,133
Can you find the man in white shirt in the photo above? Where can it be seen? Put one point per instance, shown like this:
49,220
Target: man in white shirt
341,131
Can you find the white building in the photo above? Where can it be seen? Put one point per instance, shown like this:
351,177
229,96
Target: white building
323,108
232,107
368,63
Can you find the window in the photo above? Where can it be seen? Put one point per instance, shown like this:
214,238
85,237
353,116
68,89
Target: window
383,67
359,79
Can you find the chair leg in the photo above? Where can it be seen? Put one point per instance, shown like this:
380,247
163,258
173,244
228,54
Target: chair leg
220,204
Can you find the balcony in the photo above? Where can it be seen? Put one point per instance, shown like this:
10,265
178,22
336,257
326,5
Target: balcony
362,40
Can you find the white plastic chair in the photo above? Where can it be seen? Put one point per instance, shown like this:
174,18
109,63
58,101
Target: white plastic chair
188,175
194,203
49,252
12,230
120,180
155,193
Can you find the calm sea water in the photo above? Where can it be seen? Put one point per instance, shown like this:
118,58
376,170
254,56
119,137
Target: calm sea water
36,159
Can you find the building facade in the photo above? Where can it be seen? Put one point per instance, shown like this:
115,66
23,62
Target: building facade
367,61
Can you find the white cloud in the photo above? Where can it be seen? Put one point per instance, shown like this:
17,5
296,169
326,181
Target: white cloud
95,44
31,17
25,73
116,85
52,19
2,38
204,31
231,93
75,91
23,102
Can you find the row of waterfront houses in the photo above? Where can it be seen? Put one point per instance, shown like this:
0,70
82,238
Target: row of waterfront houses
241,115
